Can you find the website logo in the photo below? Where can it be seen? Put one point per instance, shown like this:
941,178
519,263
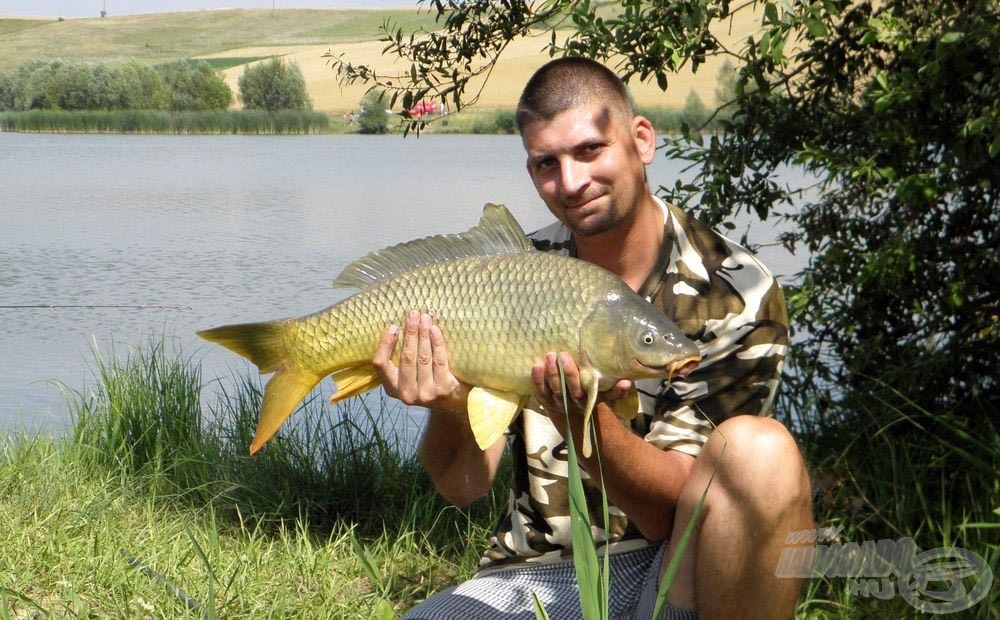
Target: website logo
935,581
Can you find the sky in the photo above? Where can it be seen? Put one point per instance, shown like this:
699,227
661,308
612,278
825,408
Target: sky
92,8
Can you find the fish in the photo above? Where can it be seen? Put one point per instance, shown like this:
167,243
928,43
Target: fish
501,306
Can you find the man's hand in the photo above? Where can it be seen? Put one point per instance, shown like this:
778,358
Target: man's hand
549,392
423,376
460,470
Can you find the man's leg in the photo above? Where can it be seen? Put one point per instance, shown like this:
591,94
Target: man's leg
760,493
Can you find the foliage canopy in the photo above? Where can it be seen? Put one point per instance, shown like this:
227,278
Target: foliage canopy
892,108
187,85
373,117
274,85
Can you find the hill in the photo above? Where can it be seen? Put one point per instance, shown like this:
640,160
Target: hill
234,37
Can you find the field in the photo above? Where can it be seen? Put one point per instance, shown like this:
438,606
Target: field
232,38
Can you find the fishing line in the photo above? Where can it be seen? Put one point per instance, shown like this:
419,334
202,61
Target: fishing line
94,306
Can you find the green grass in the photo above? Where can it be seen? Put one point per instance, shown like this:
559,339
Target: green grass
888,469
168,36
10,26
225,62
151,506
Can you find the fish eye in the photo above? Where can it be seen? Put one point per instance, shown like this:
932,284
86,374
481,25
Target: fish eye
648,338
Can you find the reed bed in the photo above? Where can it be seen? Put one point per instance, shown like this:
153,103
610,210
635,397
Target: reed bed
162,122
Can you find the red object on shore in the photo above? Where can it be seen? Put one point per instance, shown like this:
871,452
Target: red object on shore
424,108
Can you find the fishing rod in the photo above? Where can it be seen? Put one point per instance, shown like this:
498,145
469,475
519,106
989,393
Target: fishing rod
95,306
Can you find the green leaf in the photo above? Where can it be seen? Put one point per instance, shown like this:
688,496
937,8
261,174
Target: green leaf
593,601
383,610
770,13
816,28
994,147
540,613
952,37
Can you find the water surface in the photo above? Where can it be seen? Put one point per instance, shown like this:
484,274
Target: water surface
106,241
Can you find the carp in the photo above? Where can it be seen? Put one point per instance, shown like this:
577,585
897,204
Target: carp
500,305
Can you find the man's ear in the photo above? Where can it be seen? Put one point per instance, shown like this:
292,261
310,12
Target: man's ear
645,138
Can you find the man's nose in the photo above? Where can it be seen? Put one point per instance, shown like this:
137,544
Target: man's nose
573,176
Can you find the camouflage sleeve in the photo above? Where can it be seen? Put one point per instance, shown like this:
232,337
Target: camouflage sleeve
730,304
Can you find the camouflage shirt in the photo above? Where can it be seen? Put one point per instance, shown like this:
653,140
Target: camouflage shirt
724,299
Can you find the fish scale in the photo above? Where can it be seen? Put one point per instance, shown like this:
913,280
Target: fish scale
483,305
500,305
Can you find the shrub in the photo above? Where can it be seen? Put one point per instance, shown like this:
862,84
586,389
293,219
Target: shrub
373,118
194,85
274,85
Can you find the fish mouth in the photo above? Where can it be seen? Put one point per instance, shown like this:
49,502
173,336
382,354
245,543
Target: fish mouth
680,368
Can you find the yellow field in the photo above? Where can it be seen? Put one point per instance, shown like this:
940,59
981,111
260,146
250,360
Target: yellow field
304,36
501,91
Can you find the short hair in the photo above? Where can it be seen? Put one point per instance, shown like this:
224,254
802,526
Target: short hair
568,82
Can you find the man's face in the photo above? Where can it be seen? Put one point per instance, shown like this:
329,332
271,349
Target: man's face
588,165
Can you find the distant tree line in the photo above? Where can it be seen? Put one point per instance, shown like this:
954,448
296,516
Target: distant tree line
181,86
186,96
185,85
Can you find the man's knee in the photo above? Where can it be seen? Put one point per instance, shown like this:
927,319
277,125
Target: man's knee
760,463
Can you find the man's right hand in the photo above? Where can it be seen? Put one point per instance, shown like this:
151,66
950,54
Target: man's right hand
422,376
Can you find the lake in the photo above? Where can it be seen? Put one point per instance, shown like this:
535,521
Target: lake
106,241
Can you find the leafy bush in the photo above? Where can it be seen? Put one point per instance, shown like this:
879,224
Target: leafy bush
59,85
274,85
373,118
195,85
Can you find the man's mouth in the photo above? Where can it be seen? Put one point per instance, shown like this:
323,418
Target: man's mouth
581,204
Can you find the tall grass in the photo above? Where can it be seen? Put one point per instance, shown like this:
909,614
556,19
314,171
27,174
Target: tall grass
886,468
152,507
153,121
334,519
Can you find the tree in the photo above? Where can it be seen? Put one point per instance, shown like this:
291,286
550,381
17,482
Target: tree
694,114
73,81
725,83
274,85
194,85
373,117
894,108
893,105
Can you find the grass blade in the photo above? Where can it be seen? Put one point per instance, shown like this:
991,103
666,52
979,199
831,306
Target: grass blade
675,562
593,593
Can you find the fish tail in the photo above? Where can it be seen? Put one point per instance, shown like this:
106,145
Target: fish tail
263,344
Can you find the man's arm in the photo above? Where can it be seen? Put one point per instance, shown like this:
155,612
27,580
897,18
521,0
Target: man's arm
642,480
461,471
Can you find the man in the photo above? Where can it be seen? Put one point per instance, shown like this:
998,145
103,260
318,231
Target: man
587,153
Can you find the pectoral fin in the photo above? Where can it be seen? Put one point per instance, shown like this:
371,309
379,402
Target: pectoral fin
354,381
490,413
628,407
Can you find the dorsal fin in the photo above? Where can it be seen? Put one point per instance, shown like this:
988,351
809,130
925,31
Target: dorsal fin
497,233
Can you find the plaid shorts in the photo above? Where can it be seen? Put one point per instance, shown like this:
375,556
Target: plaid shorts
506,593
